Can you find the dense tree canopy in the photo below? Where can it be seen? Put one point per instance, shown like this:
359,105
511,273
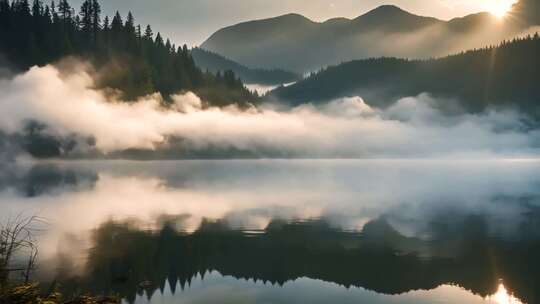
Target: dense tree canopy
505,75
136,63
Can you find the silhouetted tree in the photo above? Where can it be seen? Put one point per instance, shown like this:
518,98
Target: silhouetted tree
37,35
148,34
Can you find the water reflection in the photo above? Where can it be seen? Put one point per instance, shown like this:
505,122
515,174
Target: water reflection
376,231
126,260
214,286
44,179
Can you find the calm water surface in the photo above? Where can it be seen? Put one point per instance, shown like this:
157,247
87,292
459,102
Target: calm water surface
374,231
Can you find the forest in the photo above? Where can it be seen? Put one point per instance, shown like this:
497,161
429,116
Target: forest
132,59
214,62
496,76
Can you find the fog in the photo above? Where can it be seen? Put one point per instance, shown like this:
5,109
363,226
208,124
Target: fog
410,195
193,21
68,104
435,41
262,89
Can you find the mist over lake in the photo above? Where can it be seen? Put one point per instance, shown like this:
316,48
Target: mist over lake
197,230
303,152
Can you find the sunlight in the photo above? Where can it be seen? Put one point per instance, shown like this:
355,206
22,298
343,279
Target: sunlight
503,297
499,8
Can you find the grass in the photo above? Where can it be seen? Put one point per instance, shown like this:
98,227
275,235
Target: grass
31,294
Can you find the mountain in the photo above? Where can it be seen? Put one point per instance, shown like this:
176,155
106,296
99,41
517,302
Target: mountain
135,62
506,75
261,43
391,19
295,42
215,63
528,11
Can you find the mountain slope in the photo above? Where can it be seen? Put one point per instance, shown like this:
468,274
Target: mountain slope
476,79
528,11
215,63
294,42
257,42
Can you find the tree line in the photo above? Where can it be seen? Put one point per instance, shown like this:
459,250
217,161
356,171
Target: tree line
505,75
137,61
214,63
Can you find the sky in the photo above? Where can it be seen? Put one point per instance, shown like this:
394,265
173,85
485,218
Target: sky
192,21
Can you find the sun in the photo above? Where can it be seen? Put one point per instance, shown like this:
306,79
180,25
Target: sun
499,8
503,297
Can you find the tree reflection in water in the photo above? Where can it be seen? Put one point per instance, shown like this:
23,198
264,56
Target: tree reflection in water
127,260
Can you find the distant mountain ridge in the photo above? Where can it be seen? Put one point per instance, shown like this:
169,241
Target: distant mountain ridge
392,18
215,63
294,42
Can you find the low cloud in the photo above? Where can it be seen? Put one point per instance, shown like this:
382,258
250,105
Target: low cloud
68,104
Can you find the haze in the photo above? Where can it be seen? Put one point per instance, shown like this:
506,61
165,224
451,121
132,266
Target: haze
191,22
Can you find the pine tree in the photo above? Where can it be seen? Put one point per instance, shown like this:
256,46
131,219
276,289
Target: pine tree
139,39
130,24
54,14
168,46
40,34
148,34
96,15
5,12
159,41
22,7
106,25
116,24
47,14
65,10
96,19
85,14
37,8
4,7
77,22
66,13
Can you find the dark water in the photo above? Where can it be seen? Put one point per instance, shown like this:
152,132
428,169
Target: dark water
286,231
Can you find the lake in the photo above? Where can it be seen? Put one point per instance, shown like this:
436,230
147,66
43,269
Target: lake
285,231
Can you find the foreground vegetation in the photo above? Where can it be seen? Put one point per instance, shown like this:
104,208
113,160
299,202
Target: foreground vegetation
16,241
31,294
130,58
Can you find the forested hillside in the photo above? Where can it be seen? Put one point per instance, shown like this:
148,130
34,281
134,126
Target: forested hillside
506,75
134,59
215,63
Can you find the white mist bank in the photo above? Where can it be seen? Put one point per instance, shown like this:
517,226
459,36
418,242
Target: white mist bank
411,195
68,104
262,89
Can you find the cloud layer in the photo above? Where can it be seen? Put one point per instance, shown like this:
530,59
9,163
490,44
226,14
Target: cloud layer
413,127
